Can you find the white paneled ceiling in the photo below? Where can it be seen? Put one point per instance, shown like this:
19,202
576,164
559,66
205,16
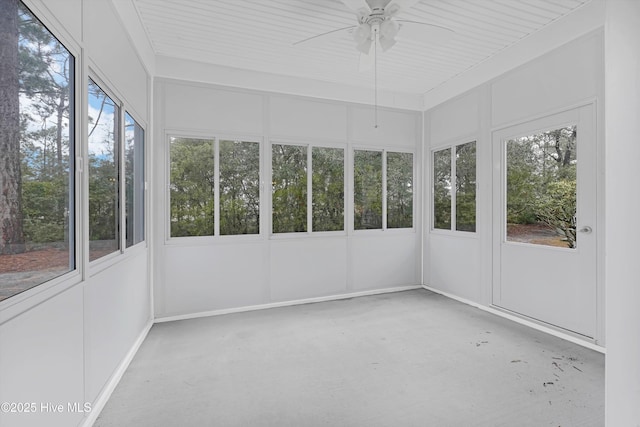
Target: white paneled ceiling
258,35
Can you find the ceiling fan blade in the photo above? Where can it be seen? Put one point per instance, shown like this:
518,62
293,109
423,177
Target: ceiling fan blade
423,32
357,6
367,60
395,6
336,31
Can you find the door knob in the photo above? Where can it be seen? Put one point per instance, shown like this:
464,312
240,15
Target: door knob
586,229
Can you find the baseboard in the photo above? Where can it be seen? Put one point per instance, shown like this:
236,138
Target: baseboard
284,303
111,385
522,321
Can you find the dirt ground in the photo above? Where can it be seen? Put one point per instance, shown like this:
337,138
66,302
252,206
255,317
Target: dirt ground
537,234
42,259
23,271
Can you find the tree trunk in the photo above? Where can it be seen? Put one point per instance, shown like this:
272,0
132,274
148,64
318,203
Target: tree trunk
11,232
61,108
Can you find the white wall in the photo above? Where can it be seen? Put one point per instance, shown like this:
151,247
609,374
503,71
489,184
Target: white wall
622,84
460,263
583,20
182,69
110,52
455,122
66,340
203,274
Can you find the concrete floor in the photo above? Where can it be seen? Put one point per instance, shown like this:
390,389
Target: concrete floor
410,358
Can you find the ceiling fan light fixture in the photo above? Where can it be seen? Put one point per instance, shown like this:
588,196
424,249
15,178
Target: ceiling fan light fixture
362,33
365,46
389,29
386,43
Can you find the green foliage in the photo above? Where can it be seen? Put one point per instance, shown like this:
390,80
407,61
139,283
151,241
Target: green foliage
289,184
523,182
466,187
45,216
399,190
239,187
541,180
328,189
45,88
442,189
192,187
103,199
557,208
367,182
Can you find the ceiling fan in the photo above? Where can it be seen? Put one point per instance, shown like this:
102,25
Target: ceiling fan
378,27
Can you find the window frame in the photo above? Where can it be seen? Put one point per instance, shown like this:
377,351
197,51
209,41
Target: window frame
384,150
104,261
145,209
216,159
42,291
413,189
528,129
216,137
344,190
452,147
82,69
99,264
309,145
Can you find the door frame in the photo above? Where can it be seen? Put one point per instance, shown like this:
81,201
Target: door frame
527,125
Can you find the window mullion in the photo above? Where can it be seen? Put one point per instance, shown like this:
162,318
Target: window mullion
309,190
453,187
122,202
216,186
384,190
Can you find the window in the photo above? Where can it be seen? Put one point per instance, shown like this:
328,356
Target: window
289,182
134,180
298,206
367,187
466,187
206,170
541,188
239,187
328,189
442,189
399,190
455,168
36,153
369,182
192,187
104,183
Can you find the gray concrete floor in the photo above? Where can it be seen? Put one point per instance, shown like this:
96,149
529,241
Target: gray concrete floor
410,358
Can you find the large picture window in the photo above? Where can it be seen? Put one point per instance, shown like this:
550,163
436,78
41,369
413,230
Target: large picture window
454,188
204,171
104,177
36,153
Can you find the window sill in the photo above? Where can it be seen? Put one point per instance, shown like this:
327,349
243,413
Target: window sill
25,301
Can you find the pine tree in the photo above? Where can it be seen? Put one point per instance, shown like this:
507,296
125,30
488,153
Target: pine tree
11,227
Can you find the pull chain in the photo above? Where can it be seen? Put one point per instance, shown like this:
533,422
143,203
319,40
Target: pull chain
375,76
